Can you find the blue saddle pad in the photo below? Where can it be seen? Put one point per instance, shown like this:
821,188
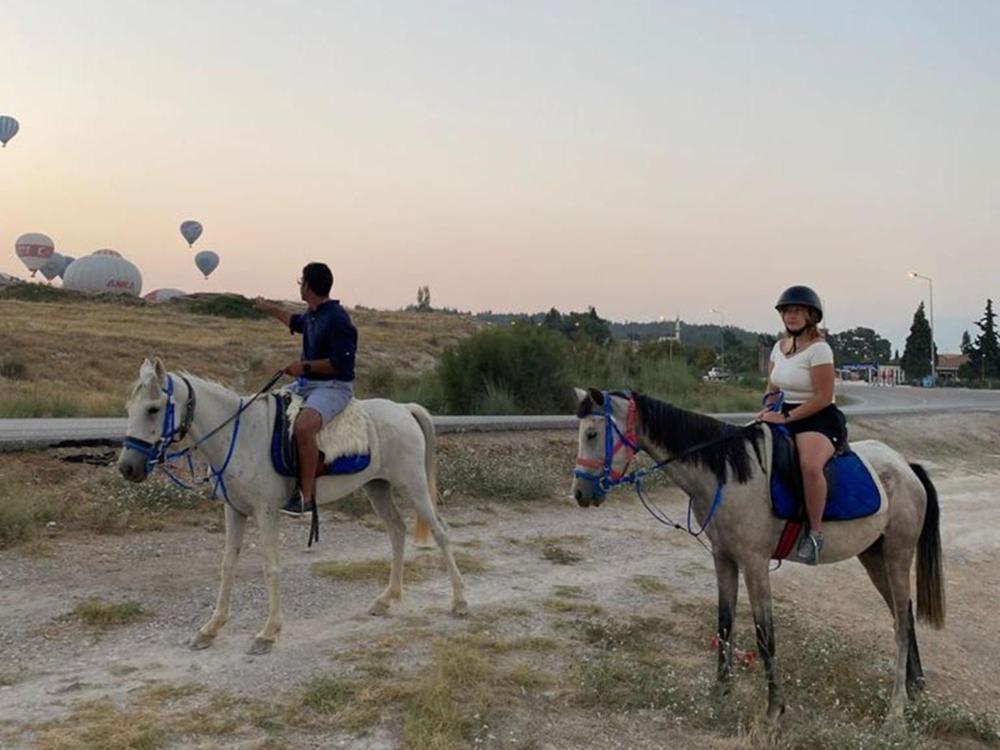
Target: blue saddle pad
284,456
853,492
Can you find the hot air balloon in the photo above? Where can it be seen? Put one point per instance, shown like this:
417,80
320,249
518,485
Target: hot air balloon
191,231
53,268
66,260
8,129
34,250
207,261
103,271
162,295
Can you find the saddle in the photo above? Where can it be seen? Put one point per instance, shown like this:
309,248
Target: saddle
853,489
343,443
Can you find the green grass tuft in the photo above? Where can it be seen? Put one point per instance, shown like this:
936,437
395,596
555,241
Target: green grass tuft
100,614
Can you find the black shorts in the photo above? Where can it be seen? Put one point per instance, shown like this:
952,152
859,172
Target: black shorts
829,421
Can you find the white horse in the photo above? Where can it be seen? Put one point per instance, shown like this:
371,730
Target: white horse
164,409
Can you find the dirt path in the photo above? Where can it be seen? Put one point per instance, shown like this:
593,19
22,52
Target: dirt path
49,665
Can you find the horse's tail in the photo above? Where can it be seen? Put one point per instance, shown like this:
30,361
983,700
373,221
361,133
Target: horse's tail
930,576
421,532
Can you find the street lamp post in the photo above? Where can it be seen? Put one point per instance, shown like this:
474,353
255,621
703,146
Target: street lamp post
722,336
930,295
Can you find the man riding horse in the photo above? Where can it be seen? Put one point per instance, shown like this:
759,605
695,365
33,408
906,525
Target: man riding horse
324,374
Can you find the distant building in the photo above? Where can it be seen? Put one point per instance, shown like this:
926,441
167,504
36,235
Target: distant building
948,364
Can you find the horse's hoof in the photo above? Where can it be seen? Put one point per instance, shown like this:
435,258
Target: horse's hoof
460,609
379,608
261,646
202,641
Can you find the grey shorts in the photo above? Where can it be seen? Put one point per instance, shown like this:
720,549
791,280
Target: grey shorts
328,397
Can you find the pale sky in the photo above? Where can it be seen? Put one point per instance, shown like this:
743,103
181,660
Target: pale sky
649,158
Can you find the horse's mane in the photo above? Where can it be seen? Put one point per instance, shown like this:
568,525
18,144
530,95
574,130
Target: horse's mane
212,384
676,430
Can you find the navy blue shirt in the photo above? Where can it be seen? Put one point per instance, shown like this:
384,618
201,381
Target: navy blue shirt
327,333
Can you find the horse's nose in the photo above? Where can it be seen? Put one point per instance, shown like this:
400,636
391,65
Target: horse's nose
126,469
578,495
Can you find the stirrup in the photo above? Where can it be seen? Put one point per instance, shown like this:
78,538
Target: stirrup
296,506
809,548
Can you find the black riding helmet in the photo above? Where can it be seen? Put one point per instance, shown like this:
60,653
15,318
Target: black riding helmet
800,295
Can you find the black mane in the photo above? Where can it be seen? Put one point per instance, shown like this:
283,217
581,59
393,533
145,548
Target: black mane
676,430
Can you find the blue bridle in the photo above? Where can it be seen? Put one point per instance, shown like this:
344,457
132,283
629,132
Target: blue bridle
158,454
170,433
609,478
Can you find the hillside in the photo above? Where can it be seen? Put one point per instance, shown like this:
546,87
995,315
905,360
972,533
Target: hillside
73,355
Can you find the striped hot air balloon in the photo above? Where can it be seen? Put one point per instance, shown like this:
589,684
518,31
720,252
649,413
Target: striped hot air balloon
34,250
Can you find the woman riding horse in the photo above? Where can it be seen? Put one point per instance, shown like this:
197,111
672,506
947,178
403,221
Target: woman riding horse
801,368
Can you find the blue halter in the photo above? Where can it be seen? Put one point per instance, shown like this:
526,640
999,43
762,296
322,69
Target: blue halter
157,454
607,479
171,432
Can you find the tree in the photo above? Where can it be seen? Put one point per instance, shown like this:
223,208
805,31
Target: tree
984,355
578,326
704,357
860,345
916,361
423,299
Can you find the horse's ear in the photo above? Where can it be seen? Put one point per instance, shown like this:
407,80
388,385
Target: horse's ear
161,371
596,396
580,395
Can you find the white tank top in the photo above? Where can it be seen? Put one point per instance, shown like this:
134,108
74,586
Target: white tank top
793,373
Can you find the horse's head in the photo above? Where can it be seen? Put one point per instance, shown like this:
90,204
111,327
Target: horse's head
607,443
151,421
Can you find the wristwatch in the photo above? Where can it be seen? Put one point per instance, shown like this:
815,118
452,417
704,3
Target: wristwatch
306,368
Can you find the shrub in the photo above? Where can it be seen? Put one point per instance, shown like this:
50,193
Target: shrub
528,364
220,305
12,367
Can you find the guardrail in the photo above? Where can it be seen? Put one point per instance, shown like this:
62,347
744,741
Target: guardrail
35,434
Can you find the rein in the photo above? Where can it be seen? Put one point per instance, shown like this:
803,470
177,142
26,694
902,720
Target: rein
609,478
157,455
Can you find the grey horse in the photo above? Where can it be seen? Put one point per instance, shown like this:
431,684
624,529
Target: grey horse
743,531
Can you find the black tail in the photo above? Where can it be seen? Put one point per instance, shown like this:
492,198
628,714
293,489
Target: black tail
930,575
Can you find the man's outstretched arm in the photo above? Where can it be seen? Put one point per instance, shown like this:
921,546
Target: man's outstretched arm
275,311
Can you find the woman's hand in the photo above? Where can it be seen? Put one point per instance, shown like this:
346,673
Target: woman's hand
771,417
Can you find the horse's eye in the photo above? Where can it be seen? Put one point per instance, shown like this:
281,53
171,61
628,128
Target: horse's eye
153,410
591,434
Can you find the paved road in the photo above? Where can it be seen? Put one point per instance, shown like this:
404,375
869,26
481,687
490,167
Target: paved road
862,400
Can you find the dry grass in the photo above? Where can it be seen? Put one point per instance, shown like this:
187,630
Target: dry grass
78,358
478,688
563,606
157,716
837,692
456,703
650,585
43,497
104,615
560,555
